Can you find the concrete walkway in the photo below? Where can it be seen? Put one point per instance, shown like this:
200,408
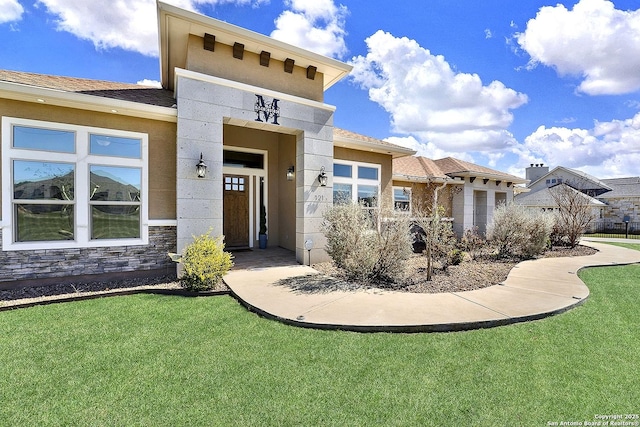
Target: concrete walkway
533,290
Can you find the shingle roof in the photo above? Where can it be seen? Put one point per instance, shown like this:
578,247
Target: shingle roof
346,135
622,187
453,166
106,89
417,167
543,198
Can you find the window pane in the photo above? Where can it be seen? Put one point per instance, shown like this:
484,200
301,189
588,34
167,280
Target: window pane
401,199
44,139
367,173
43,180
239,159
110,183
341,193
117,146
44,222
115,222
368,195
341,170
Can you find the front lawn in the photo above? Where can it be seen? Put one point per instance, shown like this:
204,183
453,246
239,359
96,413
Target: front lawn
161,360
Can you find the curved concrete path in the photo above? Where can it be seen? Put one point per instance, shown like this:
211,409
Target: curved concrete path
533,290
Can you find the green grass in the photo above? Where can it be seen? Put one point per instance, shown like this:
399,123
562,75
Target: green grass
635,246
161,360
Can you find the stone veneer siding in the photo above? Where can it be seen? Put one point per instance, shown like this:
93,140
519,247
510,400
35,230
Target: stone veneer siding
616,209
50,263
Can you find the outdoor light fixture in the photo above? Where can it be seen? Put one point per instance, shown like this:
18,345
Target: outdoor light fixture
291,173
201,168
322,178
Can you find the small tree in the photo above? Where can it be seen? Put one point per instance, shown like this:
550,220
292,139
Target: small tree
438,235
574,215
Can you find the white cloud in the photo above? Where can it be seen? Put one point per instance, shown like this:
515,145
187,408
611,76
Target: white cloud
487,33
130,25
10,11
609,149
455,112
148,82
427,149
593,41
318,26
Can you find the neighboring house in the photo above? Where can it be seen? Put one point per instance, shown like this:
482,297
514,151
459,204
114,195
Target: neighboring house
468,192
612,200
100,177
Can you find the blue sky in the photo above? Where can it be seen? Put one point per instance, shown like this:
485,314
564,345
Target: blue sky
500,83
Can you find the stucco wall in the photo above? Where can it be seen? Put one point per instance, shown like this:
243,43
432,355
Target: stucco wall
221,63
162,145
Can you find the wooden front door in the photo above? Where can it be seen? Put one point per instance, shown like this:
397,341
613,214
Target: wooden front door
236,210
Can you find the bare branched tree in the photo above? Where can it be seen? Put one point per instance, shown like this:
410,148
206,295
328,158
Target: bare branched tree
575,211
438,234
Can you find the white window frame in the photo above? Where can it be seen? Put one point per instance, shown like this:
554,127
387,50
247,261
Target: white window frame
409,193
82,161
354,181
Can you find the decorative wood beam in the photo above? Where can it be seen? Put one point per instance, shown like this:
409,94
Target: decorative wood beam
472,178
484,181
209,42
311,72
288,65
264,58
498,183
509,184
238,50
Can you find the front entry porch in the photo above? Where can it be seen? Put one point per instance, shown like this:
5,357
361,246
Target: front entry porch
255,259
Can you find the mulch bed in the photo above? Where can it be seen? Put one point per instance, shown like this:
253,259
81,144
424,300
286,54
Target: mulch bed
467,276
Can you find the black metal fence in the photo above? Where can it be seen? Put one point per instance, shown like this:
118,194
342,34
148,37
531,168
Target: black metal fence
628,230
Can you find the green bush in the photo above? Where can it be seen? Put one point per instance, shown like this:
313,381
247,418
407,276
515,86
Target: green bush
204,262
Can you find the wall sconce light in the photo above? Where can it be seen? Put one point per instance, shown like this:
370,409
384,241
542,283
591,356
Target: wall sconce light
291,173
201,168
322,178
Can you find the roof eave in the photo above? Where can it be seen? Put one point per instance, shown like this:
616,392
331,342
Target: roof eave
394,151
489,176
59,98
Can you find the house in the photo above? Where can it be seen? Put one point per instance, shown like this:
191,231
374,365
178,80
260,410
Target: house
613,201
101,177
468,192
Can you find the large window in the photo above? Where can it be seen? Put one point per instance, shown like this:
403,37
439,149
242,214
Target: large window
356,182
72,186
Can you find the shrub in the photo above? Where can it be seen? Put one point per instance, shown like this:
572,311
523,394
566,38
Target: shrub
361,249
204,262
472,242
456,256
517,232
